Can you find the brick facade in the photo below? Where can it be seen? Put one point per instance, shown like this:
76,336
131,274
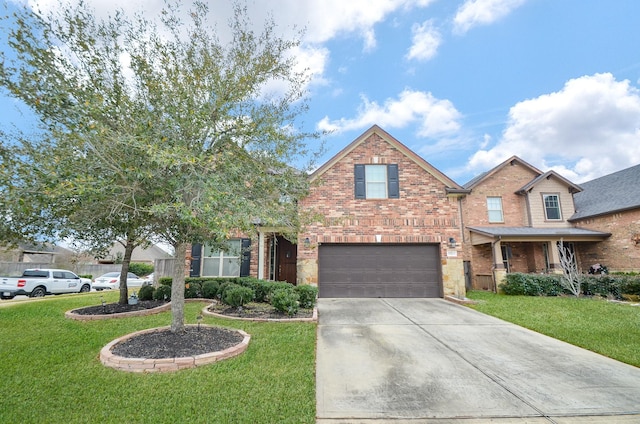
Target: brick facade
621,251
424,213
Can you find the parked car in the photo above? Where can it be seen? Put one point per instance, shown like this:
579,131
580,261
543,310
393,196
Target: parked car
111,281
39,282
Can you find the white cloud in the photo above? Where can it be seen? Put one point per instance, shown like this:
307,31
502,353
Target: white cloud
482,12
592,124
433,116
425,42
322,20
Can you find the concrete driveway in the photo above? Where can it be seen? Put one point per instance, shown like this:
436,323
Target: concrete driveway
409,360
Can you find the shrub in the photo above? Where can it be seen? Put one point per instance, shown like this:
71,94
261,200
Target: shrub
285,300
273,286
140,269
518,283
146,293
162,293
89,276
210,289
192,291
165,281
236,295
307,295
263,289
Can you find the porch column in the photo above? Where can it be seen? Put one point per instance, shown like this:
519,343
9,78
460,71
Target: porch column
260,255
554,265
499,271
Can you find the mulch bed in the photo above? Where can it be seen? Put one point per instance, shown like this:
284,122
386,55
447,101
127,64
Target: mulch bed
116,308
189,342
257,310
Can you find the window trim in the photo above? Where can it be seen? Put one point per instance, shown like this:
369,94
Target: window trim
392,183
501,210
544,206
376,185
197,263
221,257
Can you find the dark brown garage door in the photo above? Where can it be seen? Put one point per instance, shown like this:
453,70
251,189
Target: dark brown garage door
379,270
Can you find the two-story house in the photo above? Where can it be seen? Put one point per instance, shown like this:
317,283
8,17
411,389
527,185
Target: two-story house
515,217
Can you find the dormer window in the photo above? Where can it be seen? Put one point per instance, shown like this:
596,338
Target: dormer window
552,207
376,181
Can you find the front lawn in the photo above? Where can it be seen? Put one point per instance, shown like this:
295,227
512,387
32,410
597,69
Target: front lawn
51,372
611,329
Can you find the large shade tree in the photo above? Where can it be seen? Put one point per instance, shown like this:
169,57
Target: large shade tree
168,127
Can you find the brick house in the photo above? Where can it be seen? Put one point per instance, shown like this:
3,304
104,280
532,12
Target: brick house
514,217
388,224
611,204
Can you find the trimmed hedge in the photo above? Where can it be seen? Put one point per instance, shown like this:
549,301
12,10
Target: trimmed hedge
140,269
263,290
607,285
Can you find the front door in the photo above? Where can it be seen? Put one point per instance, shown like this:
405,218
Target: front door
286,260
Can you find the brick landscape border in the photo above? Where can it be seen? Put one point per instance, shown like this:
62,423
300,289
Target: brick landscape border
314,317
78,317
148,365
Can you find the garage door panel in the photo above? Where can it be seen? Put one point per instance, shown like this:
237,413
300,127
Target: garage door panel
379,270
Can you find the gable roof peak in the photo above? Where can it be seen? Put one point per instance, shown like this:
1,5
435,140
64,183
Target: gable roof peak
573,188
375,129
510,161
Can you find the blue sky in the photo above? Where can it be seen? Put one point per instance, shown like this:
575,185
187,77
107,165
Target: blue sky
465,84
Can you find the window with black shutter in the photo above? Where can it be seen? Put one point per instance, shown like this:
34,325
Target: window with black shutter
376,181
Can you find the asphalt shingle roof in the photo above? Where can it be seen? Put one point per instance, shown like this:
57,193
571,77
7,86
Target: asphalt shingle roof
612,193
532,232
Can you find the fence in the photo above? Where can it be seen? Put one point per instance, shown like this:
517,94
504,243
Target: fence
162,268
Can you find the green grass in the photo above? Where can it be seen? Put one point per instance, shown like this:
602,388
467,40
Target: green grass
610,329
50,371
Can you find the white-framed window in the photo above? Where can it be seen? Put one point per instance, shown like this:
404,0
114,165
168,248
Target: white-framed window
376,181
222,263
552,207
494,209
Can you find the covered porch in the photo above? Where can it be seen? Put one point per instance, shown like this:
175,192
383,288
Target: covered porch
496,251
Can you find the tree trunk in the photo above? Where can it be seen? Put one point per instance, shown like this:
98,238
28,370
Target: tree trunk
126,260
177,288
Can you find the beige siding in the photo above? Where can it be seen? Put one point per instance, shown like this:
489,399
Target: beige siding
536,204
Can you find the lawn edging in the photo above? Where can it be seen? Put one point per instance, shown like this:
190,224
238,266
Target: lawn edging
92,317
314,317
148,365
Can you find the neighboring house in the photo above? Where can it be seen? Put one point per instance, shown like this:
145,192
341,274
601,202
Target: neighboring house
389,224
44,254
147,254
514,218
611,204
